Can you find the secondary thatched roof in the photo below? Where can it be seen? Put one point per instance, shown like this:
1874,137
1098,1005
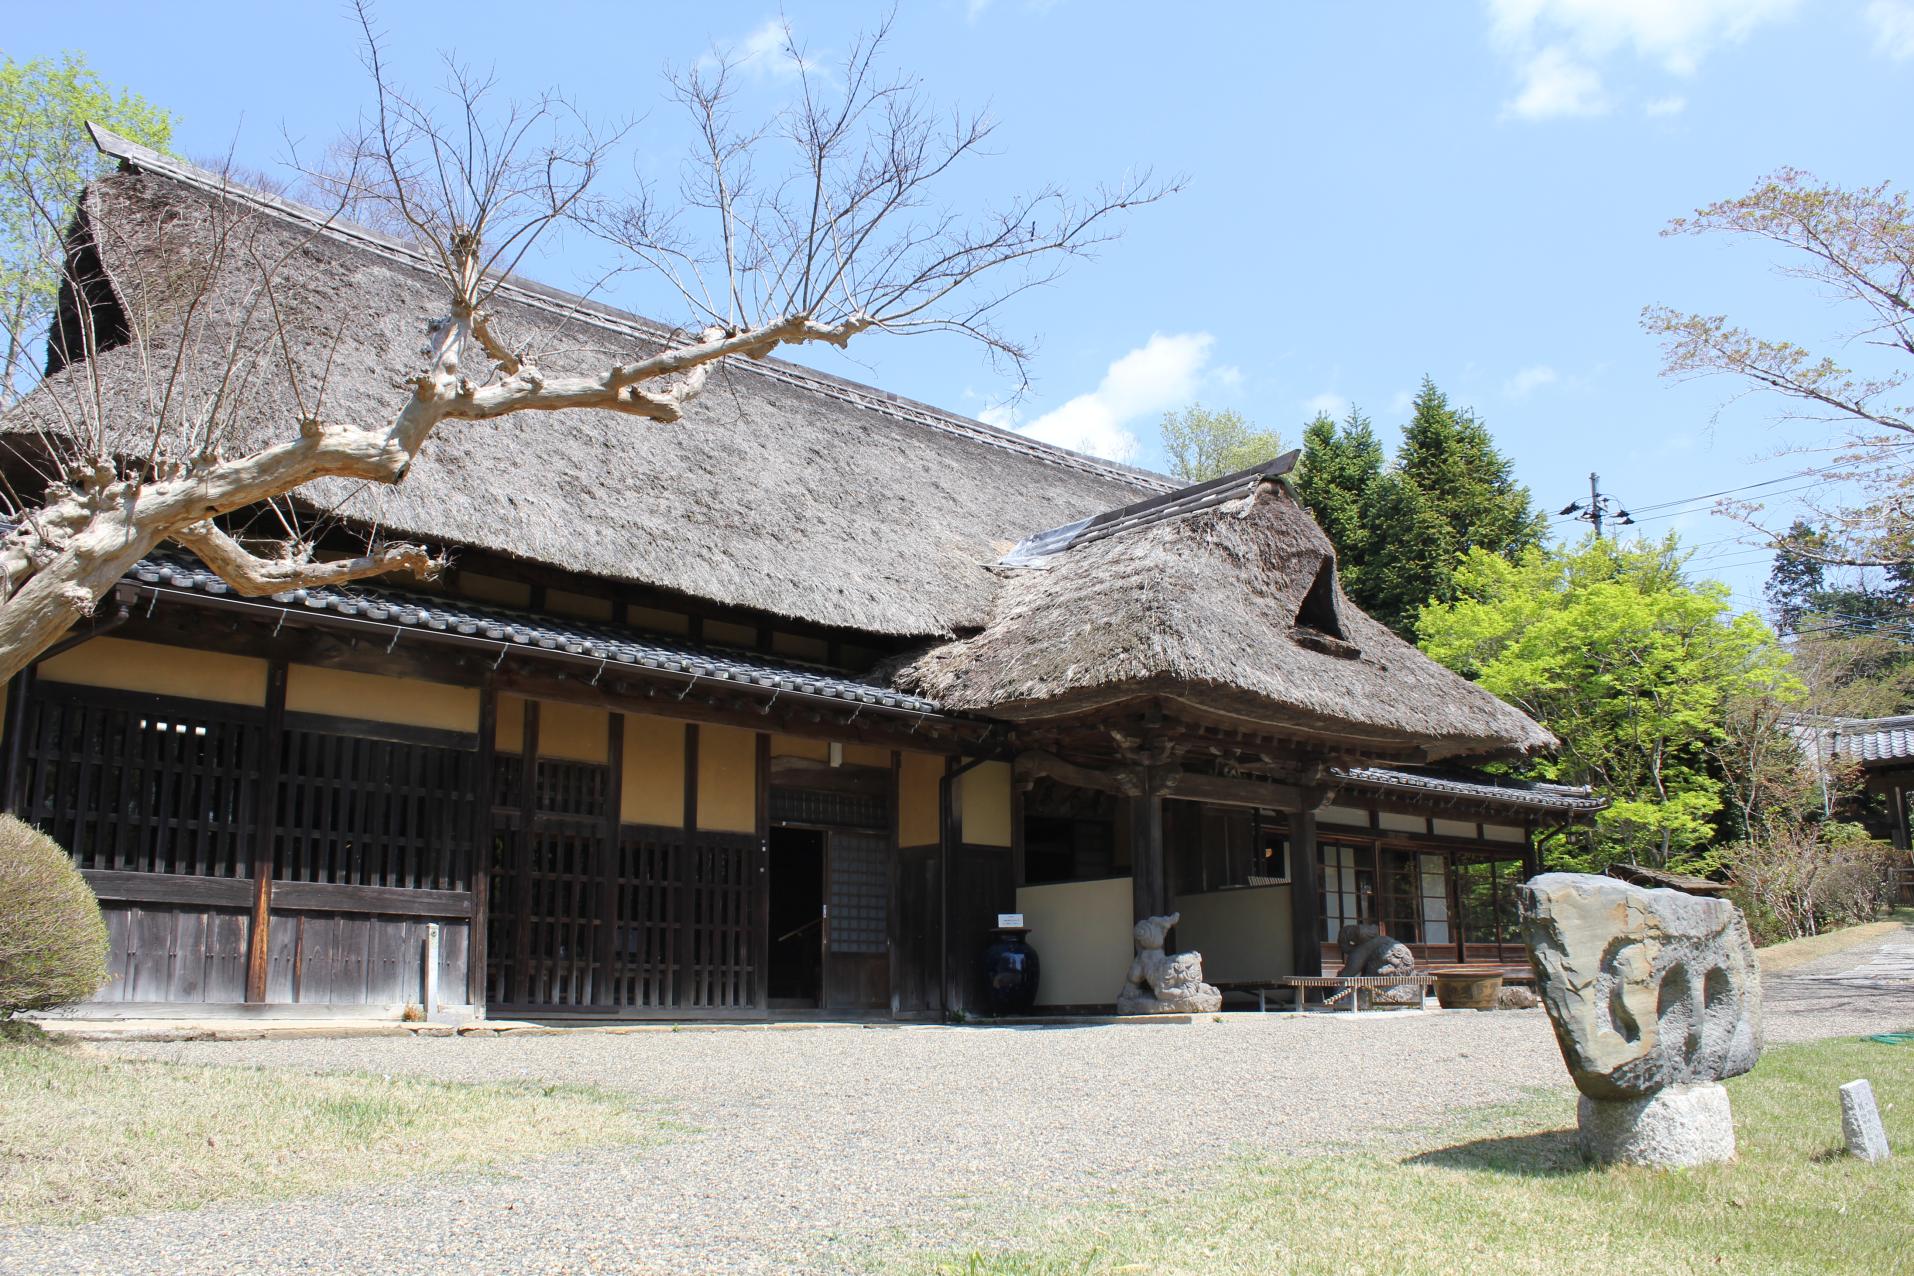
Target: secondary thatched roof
1228,602
782,490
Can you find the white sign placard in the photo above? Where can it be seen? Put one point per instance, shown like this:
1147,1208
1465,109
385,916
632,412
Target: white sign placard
1010,919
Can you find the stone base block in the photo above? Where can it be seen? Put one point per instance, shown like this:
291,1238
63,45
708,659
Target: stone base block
1678,1126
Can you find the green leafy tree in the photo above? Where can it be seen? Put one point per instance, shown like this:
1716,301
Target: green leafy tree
1401,532
46,158
1335,478
1204,445
1644,676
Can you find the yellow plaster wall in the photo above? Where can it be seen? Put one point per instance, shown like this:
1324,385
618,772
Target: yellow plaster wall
510,737
653,787
1399,823
917,799
1243,934
727,779
575,731
1344,816
161,670
800,646
344,694
984,795
867,755
791,746
492,589
659,622
1081,931
1455,828
586,606
1493,832
726,634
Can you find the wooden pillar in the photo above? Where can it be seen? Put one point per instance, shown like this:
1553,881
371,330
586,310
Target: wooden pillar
894,806
1019,876
483,841
761,874
265,831
522,859
12,790
1149,892
687,851
1305,904
604,958
950,835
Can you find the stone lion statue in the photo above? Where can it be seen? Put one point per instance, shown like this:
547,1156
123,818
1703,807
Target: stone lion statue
1367,951
1159,984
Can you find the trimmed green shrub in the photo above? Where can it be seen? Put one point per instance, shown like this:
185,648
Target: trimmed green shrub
52,940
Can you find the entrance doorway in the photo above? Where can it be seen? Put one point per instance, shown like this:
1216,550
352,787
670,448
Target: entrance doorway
796,968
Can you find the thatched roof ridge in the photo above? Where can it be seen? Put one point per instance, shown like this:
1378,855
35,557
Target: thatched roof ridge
785,491
1231,609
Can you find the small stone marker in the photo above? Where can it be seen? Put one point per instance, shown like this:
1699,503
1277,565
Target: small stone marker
1861,1122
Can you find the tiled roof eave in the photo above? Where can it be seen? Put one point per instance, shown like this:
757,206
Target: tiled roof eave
516,635
1545,798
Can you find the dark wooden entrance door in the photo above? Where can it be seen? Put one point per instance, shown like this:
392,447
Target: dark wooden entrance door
857,962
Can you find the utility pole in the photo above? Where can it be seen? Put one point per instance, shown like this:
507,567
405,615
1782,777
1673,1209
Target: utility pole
1601,507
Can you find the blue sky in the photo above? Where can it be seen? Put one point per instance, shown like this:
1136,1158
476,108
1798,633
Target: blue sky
1375,192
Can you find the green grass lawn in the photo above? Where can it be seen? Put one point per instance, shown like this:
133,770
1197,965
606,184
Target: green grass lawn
1511,1195
84,1135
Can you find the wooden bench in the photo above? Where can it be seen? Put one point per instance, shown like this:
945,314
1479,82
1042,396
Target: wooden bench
1352,985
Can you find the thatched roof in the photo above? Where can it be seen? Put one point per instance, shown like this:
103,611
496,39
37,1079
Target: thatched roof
1227,602
783,490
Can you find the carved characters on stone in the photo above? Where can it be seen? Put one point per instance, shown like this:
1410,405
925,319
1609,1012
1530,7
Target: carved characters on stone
1160,984
1367,951
1649,991
1646,988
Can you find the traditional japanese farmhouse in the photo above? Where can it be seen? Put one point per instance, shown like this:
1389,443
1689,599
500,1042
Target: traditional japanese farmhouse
770,711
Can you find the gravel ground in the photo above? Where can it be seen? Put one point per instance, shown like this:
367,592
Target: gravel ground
808,1150
1869,988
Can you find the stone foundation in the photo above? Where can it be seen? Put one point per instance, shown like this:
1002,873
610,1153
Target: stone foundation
1679,1126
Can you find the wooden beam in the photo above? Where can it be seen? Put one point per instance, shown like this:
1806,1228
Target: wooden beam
265,831
1305,920
333,897
1233,791
1037,764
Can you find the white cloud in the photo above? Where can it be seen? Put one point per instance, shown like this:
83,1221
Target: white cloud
1673,104
1528,381
1893,23
761,54
1561,48
1164,372
1554,84
1327,402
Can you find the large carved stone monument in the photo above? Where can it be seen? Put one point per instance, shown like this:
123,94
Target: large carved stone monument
1655,997
1159,984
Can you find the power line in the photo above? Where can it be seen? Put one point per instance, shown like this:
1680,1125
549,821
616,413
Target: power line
1600,507
1745,487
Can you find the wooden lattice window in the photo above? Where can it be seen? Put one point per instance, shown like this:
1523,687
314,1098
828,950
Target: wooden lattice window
361,811
860,893
137,783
